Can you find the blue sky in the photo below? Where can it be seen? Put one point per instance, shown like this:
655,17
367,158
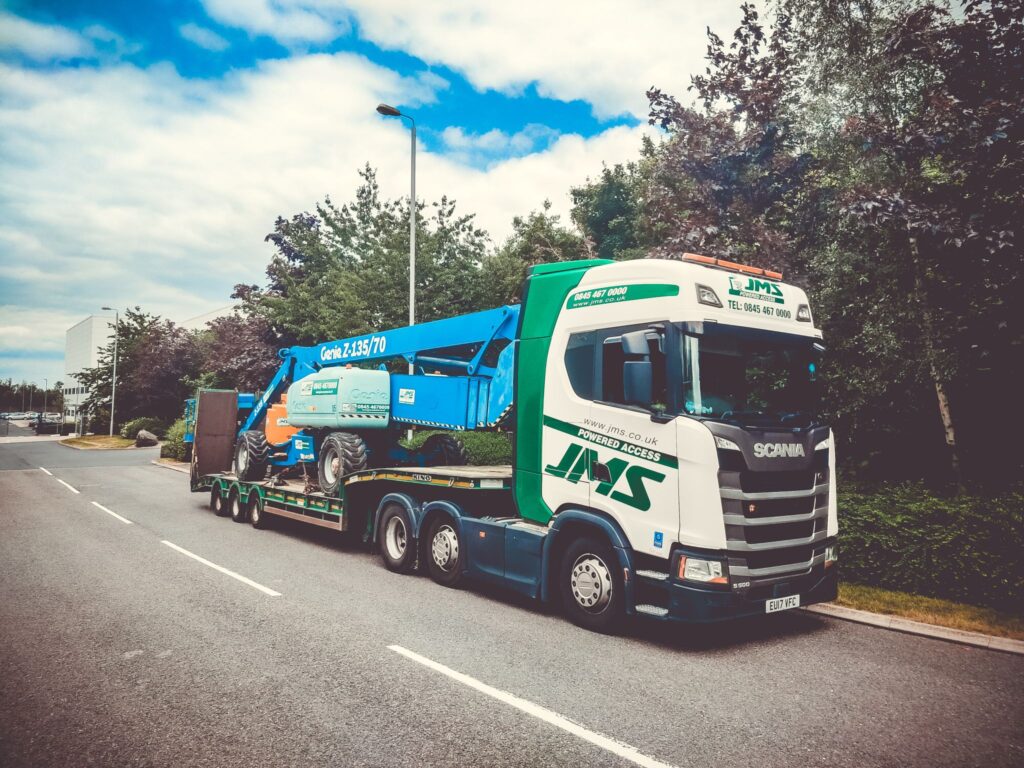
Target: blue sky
146,147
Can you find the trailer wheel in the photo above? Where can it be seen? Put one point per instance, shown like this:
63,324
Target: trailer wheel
341,454
239,511
257,518
252,455
397,547
591,585
445,552
443,451
217,504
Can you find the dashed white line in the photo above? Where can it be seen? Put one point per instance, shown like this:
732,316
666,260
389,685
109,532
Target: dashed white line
225,571
624,751
69,487
110,512
47,471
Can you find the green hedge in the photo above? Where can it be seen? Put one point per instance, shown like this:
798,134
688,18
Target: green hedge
484,448
173,446
966,548
131,427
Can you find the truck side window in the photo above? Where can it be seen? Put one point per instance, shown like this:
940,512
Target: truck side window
579,363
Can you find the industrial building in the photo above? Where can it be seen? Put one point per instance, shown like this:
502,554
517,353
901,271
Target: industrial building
82,344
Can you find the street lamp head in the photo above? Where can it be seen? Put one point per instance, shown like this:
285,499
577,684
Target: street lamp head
388,110
108,309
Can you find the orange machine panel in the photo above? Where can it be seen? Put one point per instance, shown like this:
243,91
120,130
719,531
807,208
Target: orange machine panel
278,430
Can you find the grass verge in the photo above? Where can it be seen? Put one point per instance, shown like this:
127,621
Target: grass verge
931,610
98,442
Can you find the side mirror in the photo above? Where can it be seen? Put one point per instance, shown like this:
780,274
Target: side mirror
635,343
636,382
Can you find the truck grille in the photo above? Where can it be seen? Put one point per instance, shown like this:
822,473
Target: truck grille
775,522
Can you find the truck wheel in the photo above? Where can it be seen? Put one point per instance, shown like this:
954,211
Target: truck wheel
239,511
397,547
252,454
341,454
445,552
591,585
217,504
257,518
443,451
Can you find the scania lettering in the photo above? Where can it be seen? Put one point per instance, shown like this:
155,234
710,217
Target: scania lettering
669,456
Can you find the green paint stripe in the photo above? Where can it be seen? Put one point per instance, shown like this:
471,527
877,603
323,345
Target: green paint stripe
593,297
614,443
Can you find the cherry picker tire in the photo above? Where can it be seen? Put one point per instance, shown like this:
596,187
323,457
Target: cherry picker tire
444,552
591,585
252,455
444,451
397,546
341,454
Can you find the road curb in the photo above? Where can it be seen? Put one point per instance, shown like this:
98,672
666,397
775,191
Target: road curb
165,465
898,624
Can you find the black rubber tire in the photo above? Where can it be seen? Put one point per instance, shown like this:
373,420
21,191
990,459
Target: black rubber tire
443,451
239,510
218,504
348,450
450,574
252,456
258,519
610,617
397,546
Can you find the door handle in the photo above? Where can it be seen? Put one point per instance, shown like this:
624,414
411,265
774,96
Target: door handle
600,472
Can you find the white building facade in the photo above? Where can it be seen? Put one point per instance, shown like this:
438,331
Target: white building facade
82,344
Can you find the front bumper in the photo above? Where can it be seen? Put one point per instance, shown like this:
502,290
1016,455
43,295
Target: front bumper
694,605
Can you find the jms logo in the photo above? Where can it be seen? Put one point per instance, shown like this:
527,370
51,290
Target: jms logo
752,288
578,461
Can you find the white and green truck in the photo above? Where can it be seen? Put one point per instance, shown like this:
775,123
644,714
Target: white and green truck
669,459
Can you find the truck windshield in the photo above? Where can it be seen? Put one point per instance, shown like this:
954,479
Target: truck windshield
751,377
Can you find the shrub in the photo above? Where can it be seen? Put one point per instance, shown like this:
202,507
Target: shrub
966,548
131,427
174,442
484,448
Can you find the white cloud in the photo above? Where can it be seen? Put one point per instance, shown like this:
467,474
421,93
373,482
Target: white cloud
605,52
495,146
289,21
123,186
203,37
41,42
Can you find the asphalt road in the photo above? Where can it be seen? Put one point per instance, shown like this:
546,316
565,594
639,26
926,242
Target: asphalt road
118,650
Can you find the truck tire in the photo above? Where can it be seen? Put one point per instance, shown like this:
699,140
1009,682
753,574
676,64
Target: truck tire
443,451
341,454
217,503
444,552
397,546
258,519
591,585
239,511
252,455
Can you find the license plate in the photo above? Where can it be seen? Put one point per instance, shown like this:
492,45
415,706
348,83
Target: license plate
782,603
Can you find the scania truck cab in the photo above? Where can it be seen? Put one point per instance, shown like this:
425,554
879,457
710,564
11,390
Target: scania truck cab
669,457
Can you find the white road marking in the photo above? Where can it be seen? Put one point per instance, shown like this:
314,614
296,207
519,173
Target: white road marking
225,571
47,471
69,487
124,520
624,751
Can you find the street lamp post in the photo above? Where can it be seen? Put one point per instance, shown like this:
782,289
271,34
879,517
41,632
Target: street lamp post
46,391
113,375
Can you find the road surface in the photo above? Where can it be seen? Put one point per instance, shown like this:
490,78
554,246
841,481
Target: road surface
292,647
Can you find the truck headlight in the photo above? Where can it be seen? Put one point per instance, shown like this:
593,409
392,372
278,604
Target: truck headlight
725,444
831,555
704,571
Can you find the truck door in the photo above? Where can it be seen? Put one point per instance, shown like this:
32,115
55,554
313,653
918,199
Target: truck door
634,475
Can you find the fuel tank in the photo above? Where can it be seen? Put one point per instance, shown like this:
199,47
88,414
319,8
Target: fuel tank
341,398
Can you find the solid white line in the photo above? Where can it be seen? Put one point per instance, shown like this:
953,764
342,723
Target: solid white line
112,513
624,751
47,471
225,571
69,487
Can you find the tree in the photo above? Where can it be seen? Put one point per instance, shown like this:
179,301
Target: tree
238,352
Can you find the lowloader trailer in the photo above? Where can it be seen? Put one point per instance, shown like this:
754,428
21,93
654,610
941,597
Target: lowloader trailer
669,459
